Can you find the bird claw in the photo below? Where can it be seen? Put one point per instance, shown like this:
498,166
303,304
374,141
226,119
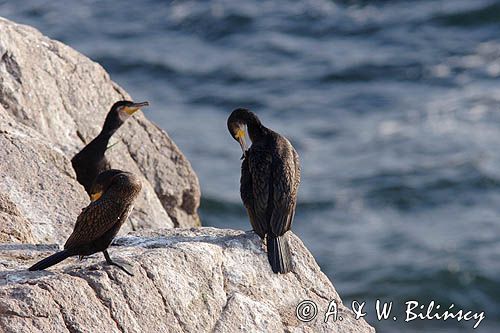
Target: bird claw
123,265
126,267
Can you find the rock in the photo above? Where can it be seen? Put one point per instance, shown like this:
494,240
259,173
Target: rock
56,99
39,197
185,280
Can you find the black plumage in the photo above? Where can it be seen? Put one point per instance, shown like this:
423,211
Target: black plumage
91,160
270,177
114,192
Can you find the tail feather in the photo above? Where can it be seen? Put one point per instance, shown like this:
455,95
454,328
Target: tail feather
278,254
50,261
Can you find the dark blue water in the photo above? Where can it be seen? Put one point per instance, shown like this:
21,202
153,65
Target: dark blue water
393,107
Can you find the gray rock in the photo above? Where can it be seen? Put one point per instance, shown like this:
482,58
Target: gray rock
63,98
185,280
39,197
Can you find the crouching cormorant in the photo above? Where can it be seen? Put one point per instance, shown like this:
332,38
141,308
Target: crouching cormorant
113,194
90,161
270,177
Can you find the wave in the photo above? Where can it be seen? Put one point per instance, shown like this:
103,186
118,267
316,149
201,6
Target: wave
163,70
464,288
118,64
408,191
219,206
483,16
376,72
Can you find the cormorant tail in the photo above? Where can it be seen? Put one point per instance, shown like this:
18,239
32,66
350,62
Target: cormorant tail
278,254
50,261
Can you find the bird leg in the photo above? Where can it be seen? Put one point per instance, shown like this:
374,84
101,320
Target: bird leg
111,262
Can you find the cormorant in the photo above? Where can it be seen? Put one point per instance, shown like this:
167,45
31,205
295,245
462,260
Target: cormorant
113,194
270,177
90,161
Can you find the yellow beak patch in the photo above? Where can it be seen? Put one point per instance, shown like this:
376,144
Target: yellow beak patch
240,133
95,196
130,110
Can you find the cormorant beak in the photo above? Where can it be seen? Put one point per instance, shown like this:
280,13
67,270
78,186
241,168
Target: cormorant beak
131,109
240,136
95,196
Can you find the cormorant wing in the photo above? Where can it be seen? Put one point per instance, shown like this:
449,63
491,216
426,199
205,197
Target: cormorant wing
286,179
258,181
95,220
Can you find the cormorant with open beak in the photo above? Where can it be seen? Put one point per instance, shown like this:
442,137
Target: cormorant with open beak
112,194
91,161
270,177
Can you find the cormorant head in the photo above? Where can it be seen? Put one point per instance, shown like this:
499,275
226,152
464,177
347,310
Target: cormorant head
102,183
120,112
238,121
124,184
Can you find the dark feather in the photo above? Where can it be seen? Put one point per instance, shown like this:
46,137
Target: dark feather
270,177
259,162
50,261
278,254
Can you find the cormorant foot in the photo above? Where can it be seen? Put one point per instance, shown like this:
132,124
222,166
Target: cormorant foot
123,266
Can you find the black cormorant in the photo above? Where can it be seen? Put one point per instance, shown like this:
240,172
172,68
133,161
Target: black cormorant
113,194
90,161
270,177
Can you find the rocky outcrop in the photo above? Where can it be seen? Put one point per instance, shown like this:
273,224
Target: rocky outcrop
54,101
198,280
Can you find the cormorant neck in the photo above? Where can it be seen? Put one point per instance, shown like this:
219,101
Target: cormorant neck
109,128
106,134
100,142
256,131
111,125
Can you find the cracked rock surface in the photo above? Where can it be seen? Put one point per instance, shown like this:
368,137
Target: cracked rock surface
53,101
185,280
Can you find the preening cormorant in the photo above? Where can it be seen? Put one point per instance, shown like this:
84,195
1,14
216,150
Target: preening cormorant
91,161
113,194
270,177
